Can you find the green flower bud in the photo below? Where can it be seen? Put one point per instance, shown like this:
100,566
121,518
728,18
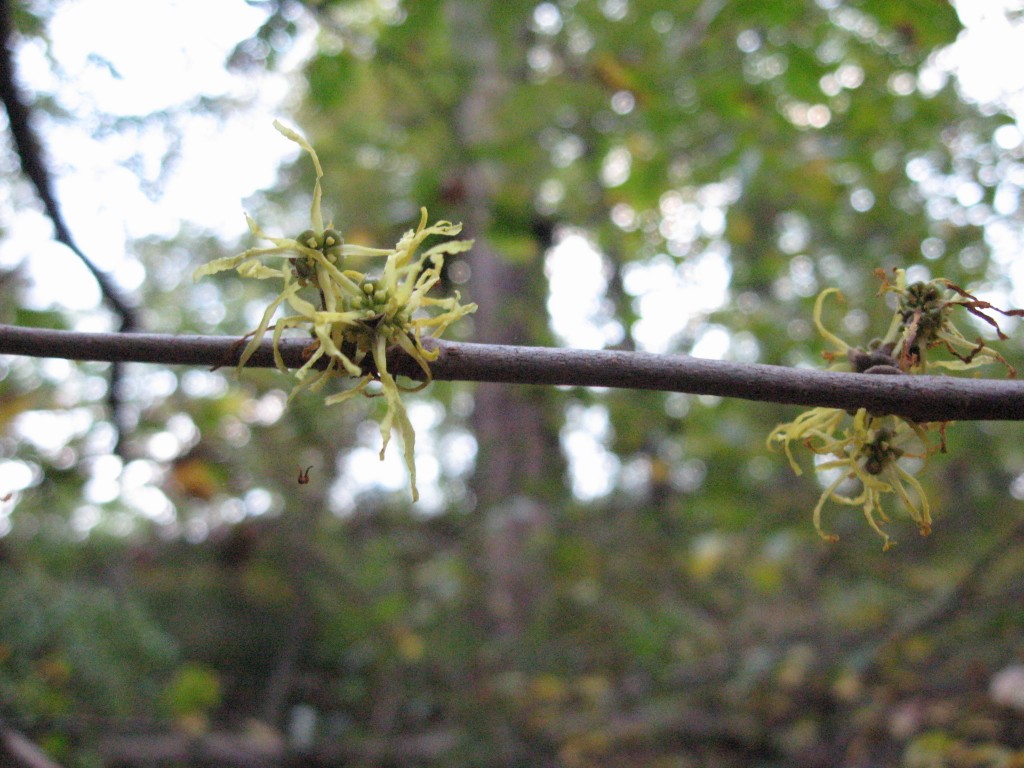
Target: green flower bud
309,239
331,240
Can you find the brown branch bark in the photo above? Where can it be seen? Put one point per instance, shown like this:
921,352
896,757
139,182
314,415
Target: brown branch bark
921,398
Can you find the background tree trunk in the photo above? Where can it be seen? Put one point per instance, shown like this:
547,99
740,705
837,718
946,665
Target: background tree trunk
518,456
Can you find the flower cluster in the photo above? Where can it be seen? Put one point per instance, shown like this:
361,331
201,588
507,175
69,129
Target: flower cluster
352,317
923,321
862,456
860,459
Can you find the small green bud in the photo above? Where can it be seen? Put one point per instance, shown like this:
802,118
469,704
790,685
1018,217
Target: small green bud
331,239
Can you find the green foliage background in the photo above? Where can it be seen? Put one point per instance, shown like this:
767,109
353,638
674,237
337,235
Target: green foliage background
690,616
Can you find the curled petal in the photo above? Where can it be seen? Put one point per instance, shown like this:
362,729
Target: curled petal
219,265
816,515
841,346
261,329
349,393
254,269
395,414
351,249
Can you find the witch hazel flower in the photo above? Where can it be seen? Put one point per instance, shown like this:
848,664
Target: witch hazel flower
353,318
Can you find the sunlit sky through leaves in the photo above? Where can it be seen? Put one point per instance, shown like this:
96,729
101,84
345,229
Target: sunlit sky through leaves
158,56
127,70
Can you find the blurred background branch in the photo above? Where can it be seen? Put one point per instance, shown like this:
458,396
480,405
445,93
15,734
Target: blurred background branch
29,149
33,164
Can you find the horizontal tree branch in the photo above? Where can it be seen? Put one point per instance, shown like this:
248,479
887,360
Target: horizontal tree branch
921,398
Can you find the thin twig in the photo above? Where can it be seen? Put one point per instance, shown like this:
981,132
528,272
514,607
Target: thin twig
920,398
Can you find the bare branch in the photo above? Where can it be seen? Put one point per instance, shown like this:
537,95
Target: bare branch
921,398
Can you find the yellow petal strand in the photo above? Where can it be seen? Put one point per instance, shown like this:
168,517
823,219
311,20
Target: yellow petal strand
414,352
258,271
348,394
315,216
870,506
395,413
338,313
331,348
922,516
294,321
448,248
219,265
351,249
819,303
261,329
288,133
816,516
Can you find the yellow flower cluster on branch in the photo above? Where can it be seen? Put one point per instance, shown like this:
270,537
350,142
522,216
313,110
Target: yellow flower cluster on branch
861,456
353,318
